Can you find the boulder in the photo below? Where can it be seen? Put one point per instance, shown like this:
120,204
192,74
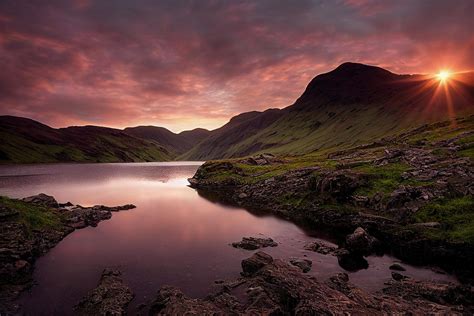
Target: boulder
361,243
252,243
350,261
255,263
42,200
340,184
397,267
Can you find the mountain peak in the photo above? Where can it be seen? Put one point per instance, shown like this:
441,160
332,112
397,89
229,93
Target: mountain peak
347,82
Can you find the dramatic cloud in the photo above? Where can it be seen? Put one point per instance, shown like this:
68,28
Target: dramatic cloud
186,64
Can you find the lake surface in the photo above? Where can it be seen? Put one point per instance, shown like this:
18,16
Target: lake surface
174,236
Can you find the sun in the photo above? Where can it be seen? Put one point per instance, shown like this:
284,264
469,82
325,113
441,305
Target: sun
443,75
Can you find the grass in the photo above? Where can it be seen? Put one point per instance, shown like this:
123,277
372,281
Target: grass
385,179
34,217
456,216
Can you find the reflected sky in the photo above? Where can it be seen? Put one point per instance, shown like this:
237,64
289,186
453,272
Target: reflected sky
173,237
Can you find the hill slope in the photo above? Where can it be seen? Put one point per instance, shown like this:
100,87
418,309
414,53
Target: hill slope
350,105
24,140
174,143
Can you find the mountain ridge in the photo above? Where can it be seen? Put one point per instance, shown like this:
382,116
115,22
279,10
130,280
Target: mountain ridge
350,105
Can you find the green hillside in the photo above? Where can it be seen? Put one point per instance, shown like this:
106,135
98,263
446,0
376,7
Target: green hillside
27,141
350,105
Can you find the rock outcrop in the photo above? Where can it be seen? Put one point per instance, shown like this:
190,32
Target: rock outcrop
110,297
273,287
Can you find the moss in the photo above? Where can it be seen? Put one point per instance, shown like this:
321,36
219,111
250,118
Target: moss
456,216
468,152
34,217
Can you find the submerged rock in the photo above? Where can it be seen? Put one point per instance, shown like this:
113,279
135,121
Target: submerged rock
110,297
321,247
350,261
303,264
397,267
253,243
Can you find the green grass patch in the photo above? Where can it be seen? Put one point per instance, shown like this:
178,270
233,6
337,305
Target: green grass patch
34,217
456,216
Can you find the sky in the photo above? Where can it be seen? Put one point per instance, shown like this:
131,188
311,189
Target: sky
188,64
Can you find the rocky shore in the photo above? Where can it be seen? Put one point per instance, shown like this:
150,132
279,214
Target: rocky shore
412,193
274,287
28,229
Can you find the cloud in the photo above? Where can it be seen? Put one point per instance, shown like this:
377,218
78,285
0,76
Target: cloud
184,64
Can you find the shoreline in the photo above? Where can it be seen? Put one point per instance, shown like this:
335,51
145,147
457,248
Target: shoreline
30,227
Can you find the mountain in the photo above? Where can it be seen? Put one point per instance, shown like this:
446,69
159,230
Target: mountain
24,140
353,104
174,143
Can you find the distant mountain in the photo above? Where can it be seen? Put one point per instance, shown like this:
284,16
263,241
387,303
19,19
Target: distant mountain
352,104
174,143
24,140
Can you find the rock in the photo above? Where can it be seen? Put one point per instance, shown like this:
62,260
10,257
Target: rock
397,267
397,276
361,243
171,301
252,243
402,195
350,261
429,224
255,263
320,247
110,297
340,278
261,160
303,264
67,204
20,245
242,195
340,184
6,212
42,200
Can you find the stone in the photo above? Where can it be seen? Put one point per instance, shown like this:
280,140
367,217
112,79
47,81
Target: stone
251,265
42,200
350,261
253,243
110,297
6,212
303,264
242,195
321,247
361,243
397,276
397,267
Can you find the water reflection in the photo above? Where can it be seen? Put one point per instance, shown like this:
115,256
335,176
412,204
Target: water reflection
174,236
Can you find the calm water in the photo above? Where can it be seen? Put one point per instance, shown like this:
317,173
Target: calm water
174,236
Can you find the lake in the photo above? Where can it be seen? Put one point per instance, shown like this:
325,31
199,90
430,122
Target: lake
173,237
